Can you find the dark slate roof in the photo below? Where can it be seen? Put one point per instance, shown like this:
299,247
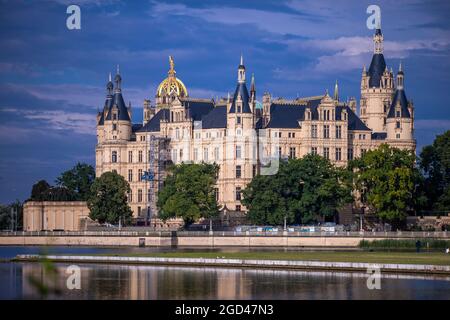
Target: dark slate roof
135,127
354,122
241,89
198,109
379,135
154,124
108,105
287,116
376,69
123,111
101,121
217,118
399,96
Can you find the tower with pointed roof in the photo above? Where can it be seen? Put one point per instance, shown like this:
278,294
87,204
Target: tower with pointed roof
242,105
400,117
377,87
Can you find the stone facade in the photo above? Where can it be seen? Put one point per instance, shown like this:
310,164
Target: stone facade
243,136
55,215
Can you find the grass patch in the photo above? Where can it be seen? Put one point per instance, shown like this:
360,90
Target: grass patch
436,258
404,244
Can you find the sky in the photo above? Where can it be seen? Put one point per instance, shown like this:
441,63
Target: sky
52,79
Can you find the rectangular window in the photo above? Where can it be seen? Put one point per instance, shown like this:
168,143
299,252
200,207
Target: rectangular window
238,152
314,150
238,207
139,195
130,175
338,154
205,154
114,157
149,195
279,152
326,131
216,153
397,135
130,156
130,197
397,125
140,175
174,155
195,154
292,152
238,193
238,120
254,170
114,127
216,193
326,153
363,151
140,158
139,211
338,132
181,154
314,131
350,154
293,134
238,171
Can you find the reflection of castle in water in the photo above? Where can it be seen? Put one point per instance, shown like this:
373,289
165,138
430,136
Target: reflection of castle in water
158,282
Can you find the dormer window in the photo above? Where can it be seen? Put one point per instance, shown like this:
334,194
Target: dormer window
398,113
397,125
239,109
114,127
238,120
114,116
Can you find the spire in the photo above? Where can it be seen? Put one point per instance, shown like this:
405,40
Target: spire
118,80
336,91
364,70
400,77
378,39
109,85
241,71
252,87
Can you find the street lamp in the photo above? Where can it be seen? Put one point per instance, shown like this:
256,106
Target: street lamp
361,216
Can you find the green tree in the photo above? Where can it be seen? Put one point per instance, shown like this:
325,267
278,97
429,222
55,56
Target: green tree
304,190
387,180
78,180
435,164
39,188
188,193
108,199
5,215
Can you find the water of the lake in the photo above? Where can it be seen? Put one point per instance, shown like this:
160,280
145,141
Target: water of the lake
101,281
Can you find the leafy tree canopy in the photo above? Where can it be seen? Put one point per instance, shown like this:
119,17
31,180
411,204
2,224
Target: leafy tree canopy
108,199
435,164
304,190
387,180
78,180
38,190
188,193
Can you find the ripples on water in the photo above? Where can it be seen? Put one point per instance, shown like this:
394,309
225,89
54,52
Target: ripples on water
100,281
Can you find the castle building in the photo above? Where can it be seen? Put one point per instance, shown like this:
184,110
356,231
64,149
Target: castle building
243,136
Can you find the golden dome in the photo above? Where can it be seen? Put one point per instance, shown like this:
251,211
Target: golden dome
171,85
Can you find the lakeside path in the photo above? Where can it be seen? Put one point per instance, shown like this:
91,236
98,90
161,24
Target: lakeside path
392,262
